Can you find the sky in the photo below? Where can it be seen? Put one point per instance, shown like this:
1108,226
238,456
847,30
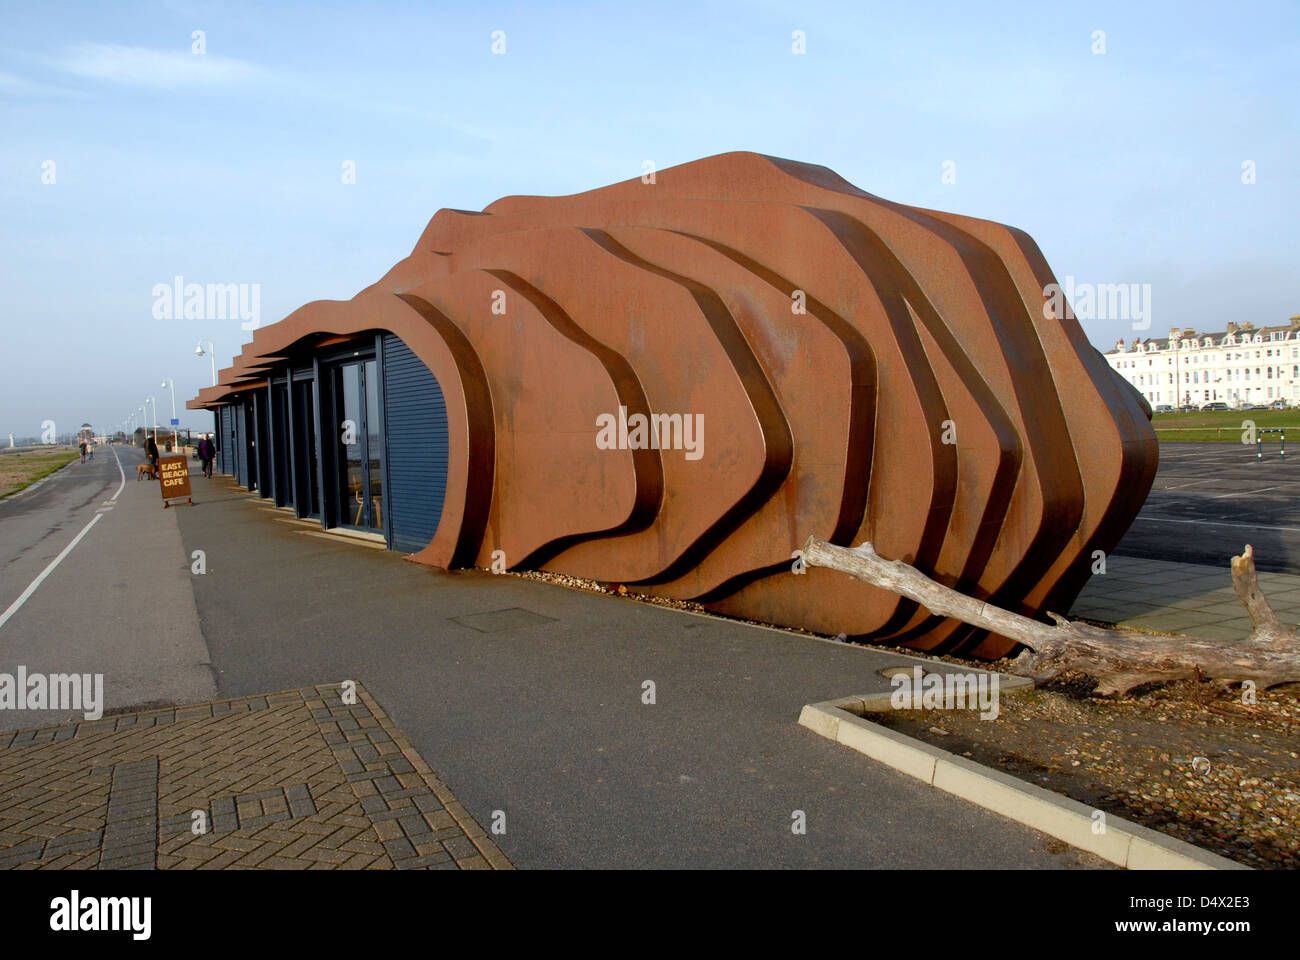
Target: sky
1154,144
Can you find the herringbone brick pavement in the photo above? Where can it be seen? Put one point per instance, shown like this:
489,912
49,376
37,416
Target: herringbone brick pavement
311,779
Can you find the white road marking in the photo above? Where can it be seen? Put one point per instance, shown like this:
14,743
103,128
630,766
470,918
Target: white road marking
1242,493
1219,523
121,473
31,588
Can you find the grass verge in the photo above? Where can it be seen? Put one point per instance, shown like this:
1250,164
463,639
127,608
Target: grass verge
21,469
1225,426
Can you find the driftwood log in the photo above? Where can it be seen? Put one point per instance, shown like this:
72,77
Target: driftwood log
1120,659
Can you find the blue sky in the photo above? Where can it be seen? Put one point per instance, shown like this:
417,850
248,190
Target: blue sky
226,167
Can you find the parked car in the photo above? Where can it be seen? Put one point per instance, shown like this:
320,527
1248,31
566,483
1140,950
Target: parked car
1216,405
1164,408
1255,406
1279,404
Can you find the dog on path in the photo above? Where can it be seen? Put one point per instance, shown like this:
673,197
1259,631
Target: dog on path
145,470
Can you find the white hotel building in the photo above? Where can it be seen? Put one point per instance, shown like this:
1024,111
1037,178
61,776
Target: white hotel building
1244,365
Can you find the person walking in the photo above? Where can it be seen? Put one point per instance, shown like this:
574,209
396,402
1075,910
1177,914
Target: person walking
151,451
83,451
207,453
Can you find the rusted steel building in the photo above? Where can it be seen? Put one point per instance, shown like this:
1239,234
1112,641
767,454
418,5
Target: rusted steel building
671,384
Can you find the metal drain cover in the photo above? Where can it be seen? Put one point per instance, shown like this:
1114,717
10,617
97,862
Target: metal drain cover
896,669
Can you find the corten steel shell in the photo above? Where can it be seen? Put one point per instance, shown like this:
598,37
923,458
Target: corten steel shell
683,296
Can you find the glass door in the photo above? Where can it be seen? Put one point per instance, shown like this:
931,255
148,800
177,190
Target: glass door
357,474
281,450
374,495
308,480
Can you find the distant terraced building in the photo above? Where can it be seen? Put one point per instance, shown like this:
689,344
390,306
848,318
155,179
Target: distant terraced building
1240,366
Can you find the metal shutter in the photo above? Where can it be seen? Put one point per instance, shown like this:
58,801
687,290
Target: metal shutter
415,422
240,444
219,439
224,462
216,441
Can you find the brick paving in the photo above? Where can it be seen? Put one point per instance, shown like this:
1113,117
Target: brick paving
298,780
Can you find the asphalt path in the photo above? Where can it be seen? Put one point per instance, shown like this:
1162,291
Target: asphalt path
528,699
93,580
1210,499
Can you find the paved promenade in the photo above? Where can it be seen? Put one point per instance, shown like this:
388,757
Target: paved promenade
529,701
298,780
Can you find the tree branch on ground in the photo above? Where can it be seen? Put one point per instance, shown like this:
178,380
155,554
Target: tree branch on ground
1119,658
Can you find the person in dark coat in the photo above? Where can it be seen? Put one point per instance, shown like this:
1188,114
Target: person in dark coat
151,451
207,453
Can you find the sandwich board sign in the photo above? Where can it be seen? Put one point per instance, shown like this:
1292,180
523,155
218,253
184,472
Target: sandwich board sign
174,480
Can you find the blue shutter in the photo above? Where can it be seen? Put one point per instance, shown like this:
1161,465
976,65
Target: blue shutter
219,439
224,463
415,429
241,444
216,442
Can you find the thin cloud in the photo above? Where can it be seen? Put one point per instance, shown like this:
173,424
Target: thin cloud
146,67
14,86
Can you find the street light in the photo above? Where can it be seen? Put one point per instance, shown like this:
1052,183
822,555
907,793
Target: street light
176,434
212,354
154,401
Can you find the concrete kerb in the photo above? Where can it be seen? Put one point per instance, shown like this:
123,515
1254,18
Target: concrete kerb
1129,845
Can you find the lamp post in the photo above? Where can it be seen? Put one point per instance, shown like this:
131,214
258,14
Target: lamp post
176,434
212,354
143,423
154,401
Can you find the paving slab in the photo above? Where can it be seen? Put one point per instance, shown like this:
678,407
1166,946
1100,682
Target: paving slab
1178,597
